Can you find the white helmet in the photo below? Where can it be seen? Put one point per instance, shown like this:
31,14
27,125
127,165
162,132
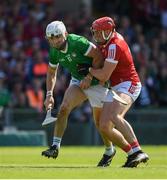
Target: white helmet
55,28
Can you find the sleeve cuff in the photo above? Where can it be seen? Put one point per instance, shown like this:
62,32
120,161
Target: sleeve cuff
53,65
111,61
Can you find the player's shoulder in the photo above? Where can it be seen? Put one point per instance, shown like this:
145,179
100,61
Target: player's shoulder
75,37
118,38
53,53
77,41
119,41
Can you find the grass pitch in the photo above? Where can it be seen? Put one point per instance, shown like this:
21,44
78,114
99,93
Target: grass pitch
78,163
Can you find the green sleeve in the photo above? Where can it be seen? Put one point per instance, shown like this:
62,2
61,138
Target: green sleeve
53,60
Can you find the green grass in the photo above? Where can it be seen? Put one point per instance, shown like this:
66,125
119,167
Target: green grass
78,163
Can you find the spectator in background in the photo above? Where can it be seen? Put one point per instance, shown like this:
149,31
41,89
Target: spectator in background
126,29
4,92
39,67
35,95
18,97
162,79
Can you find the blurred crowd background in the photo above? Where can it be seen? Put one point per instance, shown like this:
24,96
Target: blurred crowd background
24,50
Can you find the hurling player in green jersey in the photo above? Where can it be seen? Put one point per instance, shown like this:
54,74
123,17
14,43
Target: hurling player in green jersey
69,50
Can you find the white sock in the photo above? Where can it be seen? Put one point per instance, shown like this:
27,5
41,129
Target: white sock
109,150
56,141
135,149
130,152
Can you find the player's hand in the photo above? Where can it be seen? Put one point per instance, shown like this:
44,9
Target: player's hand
49,102
83,69
85,83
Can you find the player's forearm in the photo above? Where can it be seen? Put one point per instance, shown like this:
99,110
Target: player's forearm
97,63
50,82
98,60
99,74
104,73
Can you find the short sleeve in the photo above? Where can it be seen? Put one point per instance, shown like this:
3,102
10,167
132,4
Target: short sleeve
53,60
112,55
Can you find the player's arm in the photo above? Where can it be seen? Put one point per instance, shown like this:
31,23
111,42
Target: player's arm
97,58
110,64
51,79
96,55
50,84
97,62
104,73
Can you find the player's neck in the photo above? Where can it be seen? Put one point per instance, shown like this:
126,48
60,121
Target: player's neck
65,47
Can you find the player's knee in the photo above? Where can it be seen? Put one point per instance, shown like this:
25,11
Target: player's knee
116,119
64,108
103,126
106,122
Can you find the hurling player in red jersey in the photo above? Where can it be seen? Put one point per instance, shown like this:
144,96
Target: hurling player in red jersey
120,71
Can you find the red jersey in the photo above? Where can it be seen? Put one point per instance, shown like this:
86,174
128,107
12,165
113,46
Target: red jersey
117,51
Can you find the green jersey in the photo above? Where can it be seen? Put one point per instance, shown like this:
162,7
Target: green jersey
77,49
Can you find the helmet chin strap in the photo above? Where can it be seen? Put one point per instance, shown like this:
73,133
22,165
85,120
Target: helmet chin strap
104,37
64,35
108,37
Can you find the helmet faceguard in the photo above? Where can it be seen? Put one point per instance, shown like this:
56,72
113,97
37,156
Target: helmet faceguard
102,25
55,28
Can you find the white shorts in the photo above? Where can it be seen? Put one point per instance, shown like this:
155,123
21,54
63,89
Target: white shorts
96,94
127,88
